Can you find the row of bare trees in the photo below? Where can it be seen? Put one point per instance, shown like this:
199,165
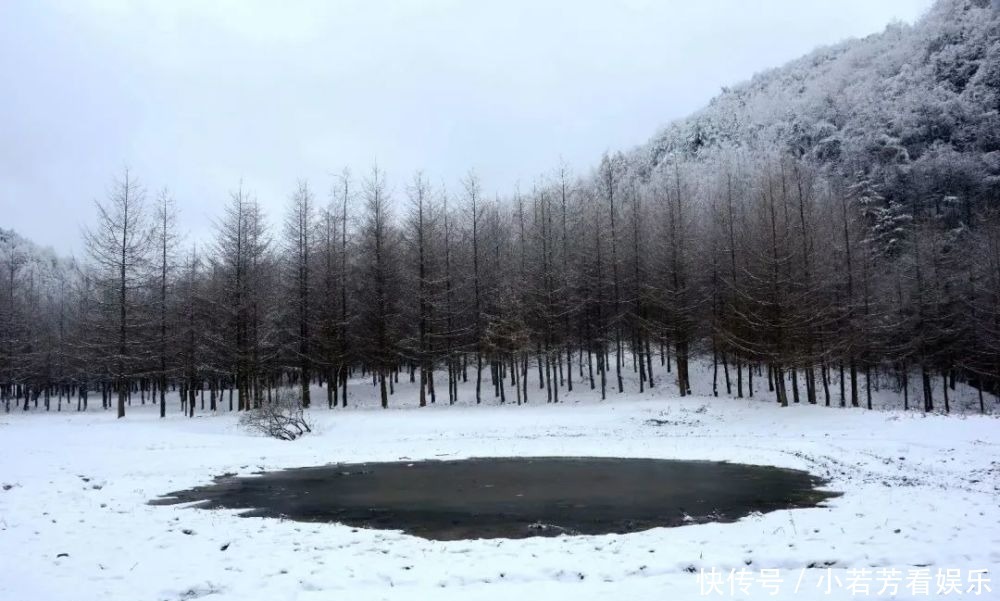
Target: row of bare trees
816,285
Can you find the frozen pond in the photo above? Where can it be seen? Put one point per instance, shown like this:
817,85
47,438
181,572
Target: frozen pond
513,497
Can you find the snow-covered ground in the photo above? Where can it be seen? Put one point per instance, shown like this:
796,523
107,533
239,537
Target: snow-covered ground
919,491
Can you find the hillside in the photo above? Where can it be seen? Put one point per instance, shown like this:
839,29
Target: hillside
920,99
22,257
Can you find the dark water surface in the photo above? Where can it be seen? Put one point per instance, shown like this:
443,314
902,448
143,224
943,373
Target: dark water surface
512,497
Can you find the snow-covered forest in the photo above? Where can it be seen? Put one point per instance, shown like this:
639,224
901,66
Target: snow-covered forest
829,226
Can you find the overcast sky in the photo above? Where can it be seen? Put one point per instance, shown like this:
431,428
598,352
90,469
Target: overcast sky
194,95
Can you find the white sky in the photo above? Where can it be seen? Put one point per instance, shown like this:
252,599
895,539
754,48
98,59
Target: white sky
194,95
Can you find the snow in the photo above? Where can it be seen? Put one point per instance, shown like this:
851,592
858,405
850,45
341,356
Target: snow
918,491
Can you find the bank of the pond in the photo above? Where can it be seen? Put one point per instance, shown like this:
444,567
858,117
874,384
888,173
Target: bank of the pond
917,491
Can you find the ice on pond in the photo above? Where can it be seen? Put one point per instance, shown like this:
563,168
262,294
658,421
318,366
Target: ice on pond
513,497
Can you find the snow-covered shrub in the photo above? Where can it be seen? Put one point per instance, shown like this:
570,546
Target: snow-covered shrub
282,418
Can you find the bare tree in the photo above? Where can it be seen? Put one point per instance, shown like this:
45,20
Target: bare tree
300,226
377,285
120,246
165,238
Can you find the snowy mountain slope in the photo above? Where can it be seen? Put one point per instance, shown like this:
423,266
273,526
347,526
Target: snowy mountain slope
908,97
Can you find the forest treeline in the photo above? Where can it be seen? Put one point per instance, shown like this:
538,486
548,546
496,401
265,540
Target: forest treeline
827,226
763,264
